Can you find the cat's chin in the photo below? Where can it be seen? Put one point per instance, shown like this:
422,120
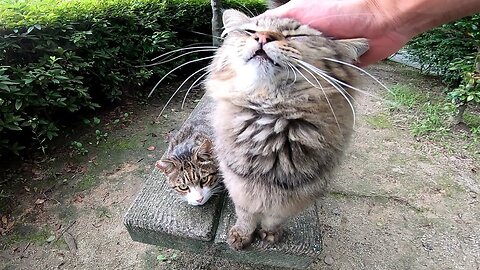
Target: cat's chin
197,203
262,60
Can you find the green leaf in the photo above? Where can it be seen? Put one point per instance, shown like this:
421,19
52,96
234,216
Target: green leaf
9,83
13,127
470,98
18,104
161,258
96,120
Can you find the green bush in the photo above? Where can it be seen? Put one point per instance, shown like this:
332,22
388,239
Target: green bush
453,52
438,48
60,58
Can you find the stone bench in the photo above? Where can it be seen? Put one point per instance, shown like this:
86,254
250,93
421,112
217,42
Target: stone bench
157,217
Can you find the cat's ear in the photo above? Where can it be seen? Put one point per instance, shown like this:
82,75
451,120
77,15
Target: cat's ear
166,165
353,48
204,151
233,19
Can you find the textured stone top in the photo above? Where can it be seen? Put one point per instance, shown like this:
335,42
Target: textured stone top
158,217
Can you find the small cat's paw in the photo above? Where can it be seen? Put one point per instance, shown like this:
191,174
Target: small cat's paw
270,237
237,239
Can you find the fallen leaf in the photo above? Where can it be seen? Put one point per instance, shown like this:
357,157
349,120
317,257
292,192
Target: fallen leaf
151,148
51,238
39,201
27,188
82,169
10,225
4,220
78,198
71,242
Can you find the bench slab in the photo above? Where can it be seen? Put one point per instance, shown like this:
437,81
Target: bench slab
159,217
301,242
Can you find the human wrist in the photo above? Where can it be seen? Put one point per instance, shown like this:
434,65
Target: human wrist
412,17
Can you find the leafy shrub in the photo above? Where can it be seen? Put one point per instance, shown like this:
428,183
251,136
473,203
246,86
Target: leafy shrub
452,42
453,52
469,88
59,58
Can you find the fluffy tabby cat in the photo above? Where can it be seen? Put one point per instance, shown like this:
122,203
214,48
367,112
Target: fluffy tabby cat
283,117
189,164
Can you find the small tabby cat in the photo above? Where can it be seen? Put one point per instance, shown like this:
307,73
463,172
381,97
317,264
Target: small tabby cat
189,164
283,118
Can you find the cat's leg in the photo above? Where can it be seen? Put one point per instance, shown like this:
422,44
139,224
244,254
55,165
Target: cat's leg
271,230
241,234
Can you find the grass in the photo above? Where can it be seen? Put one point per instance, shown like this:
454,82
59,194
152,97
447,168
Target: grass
87,182
472,120
434,120
449,185
27,233
429,115
67,212
102,212
405,96
380,121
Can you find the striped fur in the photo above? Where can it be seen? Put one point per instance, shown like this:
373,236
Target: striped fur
280,130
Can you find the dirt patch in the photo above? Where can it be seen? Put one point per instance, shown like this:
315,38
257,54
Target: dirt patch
399,201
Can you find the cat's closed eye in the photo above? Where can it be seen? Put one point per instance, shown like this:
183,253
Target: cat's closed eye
296,35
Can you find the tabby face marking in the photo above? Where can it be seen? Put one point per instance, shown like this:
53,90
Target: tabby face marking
191,172
263,51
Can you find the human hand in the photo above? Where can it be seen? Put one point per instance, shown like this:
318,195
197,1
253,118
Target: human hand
350,19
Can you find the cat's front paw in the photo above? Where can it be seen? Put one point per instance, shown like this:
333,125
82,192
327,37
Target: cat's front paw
237,239
270,237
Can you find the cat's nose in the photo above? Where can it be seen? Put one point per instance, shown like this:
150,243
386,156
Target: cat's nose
264,37
199,200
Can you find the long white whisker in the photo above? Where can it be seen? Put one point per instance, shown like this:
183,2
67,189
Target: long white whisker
325,95
178,89
353,87
361,70
338,88
178,56
330,79
193,85
345,84
203,34
294,74
170,72
183,49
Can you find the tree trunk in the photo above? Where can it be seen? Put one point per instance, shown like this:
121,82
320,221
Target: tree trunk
459,117
216,21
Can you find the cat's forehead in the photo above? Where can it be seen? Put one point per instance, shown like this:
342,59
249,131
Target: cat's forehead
280,25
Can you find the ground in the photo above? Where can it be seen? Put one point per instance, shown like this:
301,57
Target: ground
400,201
